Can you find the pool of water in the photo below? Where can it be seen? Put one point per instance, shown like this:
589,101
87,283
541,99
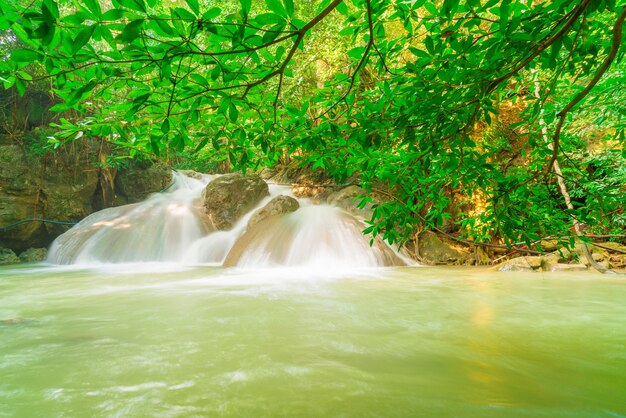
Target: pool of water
160,340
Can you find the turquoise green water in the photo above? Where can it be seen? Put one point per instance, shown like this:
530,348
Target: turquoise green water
411,342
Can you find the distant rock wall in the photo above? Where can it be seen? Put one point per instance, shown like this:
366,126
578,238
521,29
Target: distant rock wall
64,185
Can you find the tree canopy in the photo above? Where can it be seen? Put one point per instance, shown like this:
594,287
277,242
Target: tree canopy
423,99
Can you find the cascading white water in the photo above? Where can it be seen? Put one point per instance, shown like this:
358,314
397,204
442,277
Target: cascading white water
161,228
315,236
168,227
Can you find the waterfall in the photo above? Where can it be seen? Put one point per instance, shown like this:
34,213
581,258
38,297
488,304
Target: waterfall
169,227
316,236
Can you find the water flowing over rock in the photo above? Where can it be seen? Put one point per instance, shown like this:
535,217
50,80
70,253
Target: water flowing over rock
263,231
279,205
317,236
227,198
160,229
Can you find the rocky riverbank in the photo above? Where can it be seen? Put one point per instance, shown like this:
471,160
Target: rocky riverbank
228,197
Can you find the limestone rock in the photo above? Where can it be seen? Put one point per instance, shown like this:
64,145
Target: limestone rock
434,250
62,186
191,173
347,199
528,263
228,197
277,206
133,184
568,267
7,257
34,255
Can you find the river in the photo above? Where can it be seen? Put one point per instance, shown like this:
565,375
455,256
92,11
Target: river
163,340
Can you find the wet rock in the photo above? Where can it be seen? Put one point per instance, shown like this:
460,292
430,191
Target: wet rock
62,186
550,260
433,250
135,183
7,257
482,257
348,200
528,263
568,267
277,206
192,174
228,197
34,255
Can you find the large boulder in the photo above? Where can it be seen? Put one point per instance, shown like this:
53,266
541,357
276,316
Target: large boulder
434,250
227,198
277,206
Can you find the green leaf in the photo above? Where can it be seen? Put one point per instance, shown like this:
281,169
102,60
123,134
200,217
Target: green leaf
201,145
82,38
52,7
504,14
289,7
277,7
25,76
165,126
357,53
273,33
24,55
233,113
215,73
184,14
343,9
132,30
212,13
76,18
21,86
199,79
112,15
269,18
93,6
137,5
245,7
194,6
163,25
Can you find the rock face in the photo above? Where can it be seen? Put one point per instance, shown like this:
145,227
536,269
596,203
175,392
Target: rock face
34,255
529,263
7,256
277,206
61,186
133,184
433,250
346,199
229,197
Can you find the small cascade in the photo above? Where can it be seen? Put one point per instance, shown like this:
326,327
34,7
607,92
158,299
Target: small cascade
169,227
161,228
316,236
214,247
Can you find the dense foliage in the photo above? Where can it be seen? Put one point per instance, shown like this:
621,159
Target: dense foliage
427,101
